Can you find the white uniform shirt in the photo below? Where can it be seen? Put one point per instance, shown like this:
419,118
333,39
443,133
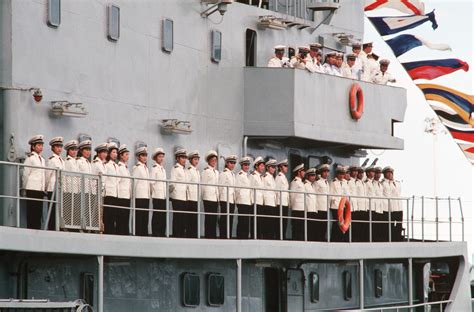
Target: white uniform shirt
192,175
369,189
327,69
312,65
310,197
338,187
382,78
211,176
269,197
276,62
158,190
296,63
336,71
56,162
297,199
256,181
243,195
362,60
34,179
227,177
71,184
125,183
381,205
351,186
281,183
392,189
178,190
321,187
349,72
362,203
142,187
111,183
371,67
98,167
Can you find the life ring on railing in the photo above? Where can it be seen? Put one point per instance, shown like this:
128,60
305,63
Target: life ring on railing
344,215
356,101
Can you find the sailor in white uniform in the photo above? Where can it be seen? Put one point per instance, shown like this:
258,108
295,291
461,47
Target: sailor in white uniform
279,60
192,175
356,49
282,198
313,60
349,69
142,192
299,61
178,191
55,162
362,56
124,191
110,216
256,181
370,193
270,225
34,182
158,193
84,166
210,194
70,184
381,206
392,189
337,66
339,186
227,178
321,188
329,62
243,199
311,208
297,203
382,76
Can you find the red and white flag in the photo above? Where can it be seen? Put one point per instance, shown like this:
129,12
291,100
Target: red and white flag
406,6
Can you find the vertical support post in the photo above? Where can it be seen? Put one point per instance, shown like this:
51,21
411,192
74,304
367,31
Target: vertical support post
239,285
305,218
389,220
17,217
133,207
287,9
328,215
228,214
422,218
100,297
350,227
437,219
410,282
59,202
294,8
412,216
450,220
254,213
408,219
99,204
167,186
370,219
83,198
281,218
198,210
462,218
361,283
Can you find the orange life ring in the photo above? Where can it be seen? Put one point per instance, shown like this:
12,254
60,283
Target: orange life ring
356,101
344,215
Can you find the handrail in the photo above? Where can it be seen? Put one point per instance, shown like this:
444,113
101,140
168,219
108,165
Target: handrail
397,308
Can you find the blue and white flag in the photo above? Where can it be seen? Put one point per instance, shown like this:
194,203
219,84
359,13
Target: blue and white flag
404,43
389,25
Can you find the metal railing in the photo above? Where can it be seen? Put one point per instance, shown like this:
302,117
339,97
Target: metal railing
436,306
424,218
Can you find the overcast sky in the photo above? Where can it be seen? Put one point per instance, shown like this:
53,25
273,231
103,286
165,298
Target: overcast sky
423,160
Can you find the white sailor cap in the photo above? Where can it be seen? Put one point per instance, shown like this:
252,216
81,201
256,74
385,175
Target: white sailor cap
311,171
315,46
298,168
369,168
323,167
56,141
193,154
283,162
279,47
209,154
245,160
142,150
181,152
39,138
123,149
101,147
231,158
353,168
271,163
111,146
387,169
157,151
351,56
258,160
303,49
356,45
384,62
85,144
378,169
331,53
341,169
367,44
339,55
72,144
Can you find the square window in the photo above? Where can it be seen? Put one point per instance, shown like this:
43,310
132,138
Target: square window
347,285
54,13
314,280
378,283
113,23
216,53
215,290
191,290
167,35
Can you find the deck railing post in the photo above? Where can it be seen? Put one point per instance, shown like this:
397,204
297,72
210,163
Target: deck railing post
255,213
389,220
450,220
437,219
305,218
132,204
227,214
422,218
462,218
361,284
328,218
83,198
370,219
167,186
408,219
199,210
281,218
18,195
412,217
59,202
350,227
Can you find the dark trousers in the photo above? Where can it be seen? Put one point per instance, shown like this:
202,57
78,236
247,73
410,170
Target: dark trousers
261,221
357,227
270,225
336,234
364,226
52,217
385,227
123,217
312,225
378,228
179,218
285,220
223,219
190,221
210,221
321,226
158,221
141,216
397,216
110,215
34,209
245,223
297,225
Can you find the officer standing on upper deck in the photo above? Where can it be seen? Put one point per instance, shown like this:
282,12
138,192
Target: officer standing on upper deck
56,162
227,196
243,199
321,187
297,203
192,175
210,194
382,76
279,60
158,193
34,182
282,198
142,192
178,191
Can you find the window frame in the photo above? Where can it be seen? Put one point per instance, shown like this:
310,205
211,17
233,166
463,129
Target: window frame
209,277
216,57
312,287
347,285
163,32
110,9
50,21
184,278
378,277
